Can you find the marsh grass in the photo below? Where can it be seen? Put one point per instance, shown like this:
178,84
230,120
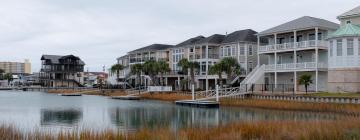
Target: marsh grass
166,96
347,129
294,106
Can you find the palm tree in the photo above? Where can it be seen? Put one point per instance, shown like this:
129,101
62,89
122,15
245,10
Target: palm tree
136,69
185,64
230,66
8,77
151,68
116,68
163,67
217,69
306,81
1,74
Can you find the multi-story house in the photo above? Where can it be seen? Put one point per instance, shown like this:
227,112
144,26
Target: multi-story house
61,71
295,48
344,54
241,45
206,53
156,52
176,53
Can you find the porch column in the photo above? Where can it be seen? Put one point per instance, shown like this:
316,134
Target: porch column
295,61
246,58
166,81
178,83
207,66
316,59
275,42
258,48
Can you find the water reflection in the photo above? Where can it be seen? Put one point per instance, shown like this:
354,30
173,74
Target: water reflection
67,117
181,117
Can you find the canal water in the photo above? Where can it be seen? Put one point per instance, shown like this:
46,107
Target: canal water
30,110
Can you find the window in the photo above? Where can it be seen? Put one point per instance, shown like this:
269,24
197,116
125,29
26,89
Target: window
299,38
191,50
311,36
350,47
233,51
250,66
250,50
331,48
242,50
228,51
339,47
319,36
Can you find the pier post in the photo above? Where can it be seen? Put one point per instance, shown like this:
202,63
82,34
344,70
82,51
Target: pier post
217,93
193,91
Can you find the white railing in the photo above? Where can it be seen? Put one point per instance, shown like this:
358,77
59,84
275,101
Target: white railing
295,66
159,88
292,46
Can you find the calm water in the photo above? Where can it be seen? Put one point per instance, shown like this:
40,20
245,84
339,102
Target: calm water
29,110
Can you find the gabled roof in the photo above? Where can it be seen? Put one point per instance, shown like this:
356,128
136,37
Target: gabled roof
305,22
247,35
153,47
214,39
351,13
190,41
55,58
345,31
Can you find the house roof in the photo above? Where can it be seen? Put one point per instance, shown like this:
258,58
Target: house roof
55,58
305,22
153,47
214,39
190,41
351,13
247,35
346,30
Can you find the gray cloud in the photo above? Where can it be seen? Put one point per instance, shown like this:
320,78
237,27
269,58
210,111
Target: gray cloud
100,31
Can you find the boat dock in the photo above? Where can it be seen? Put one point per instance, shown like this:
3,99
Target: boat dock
196,103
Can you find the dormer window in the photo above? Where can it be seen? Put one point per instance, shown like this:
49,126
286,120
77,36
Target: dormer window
348,22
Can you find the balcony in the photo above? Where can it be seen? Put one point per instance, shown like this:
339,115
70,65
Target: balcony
305,66
203,56
310,44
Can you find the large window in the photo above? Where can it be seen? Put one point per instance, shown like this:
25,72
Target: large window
250,50
242,50
228,51
177,55
339,47
331,48
350,46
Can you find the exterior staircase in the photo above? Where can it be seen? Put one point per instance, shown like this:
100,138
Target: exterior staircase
254,77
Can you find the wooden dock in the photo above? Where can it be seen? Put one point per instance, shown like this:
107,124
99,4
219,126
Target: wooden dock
70,94
128,97
195,103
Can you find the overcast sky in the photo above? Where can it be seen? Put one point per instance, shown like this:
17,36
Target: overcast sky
98,31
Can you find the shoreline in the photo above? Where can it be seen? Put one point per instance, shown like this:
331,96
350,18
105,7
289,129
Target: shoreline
351,109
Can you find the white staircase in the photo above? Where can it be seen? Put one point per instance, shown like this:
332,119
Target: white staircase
254,77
